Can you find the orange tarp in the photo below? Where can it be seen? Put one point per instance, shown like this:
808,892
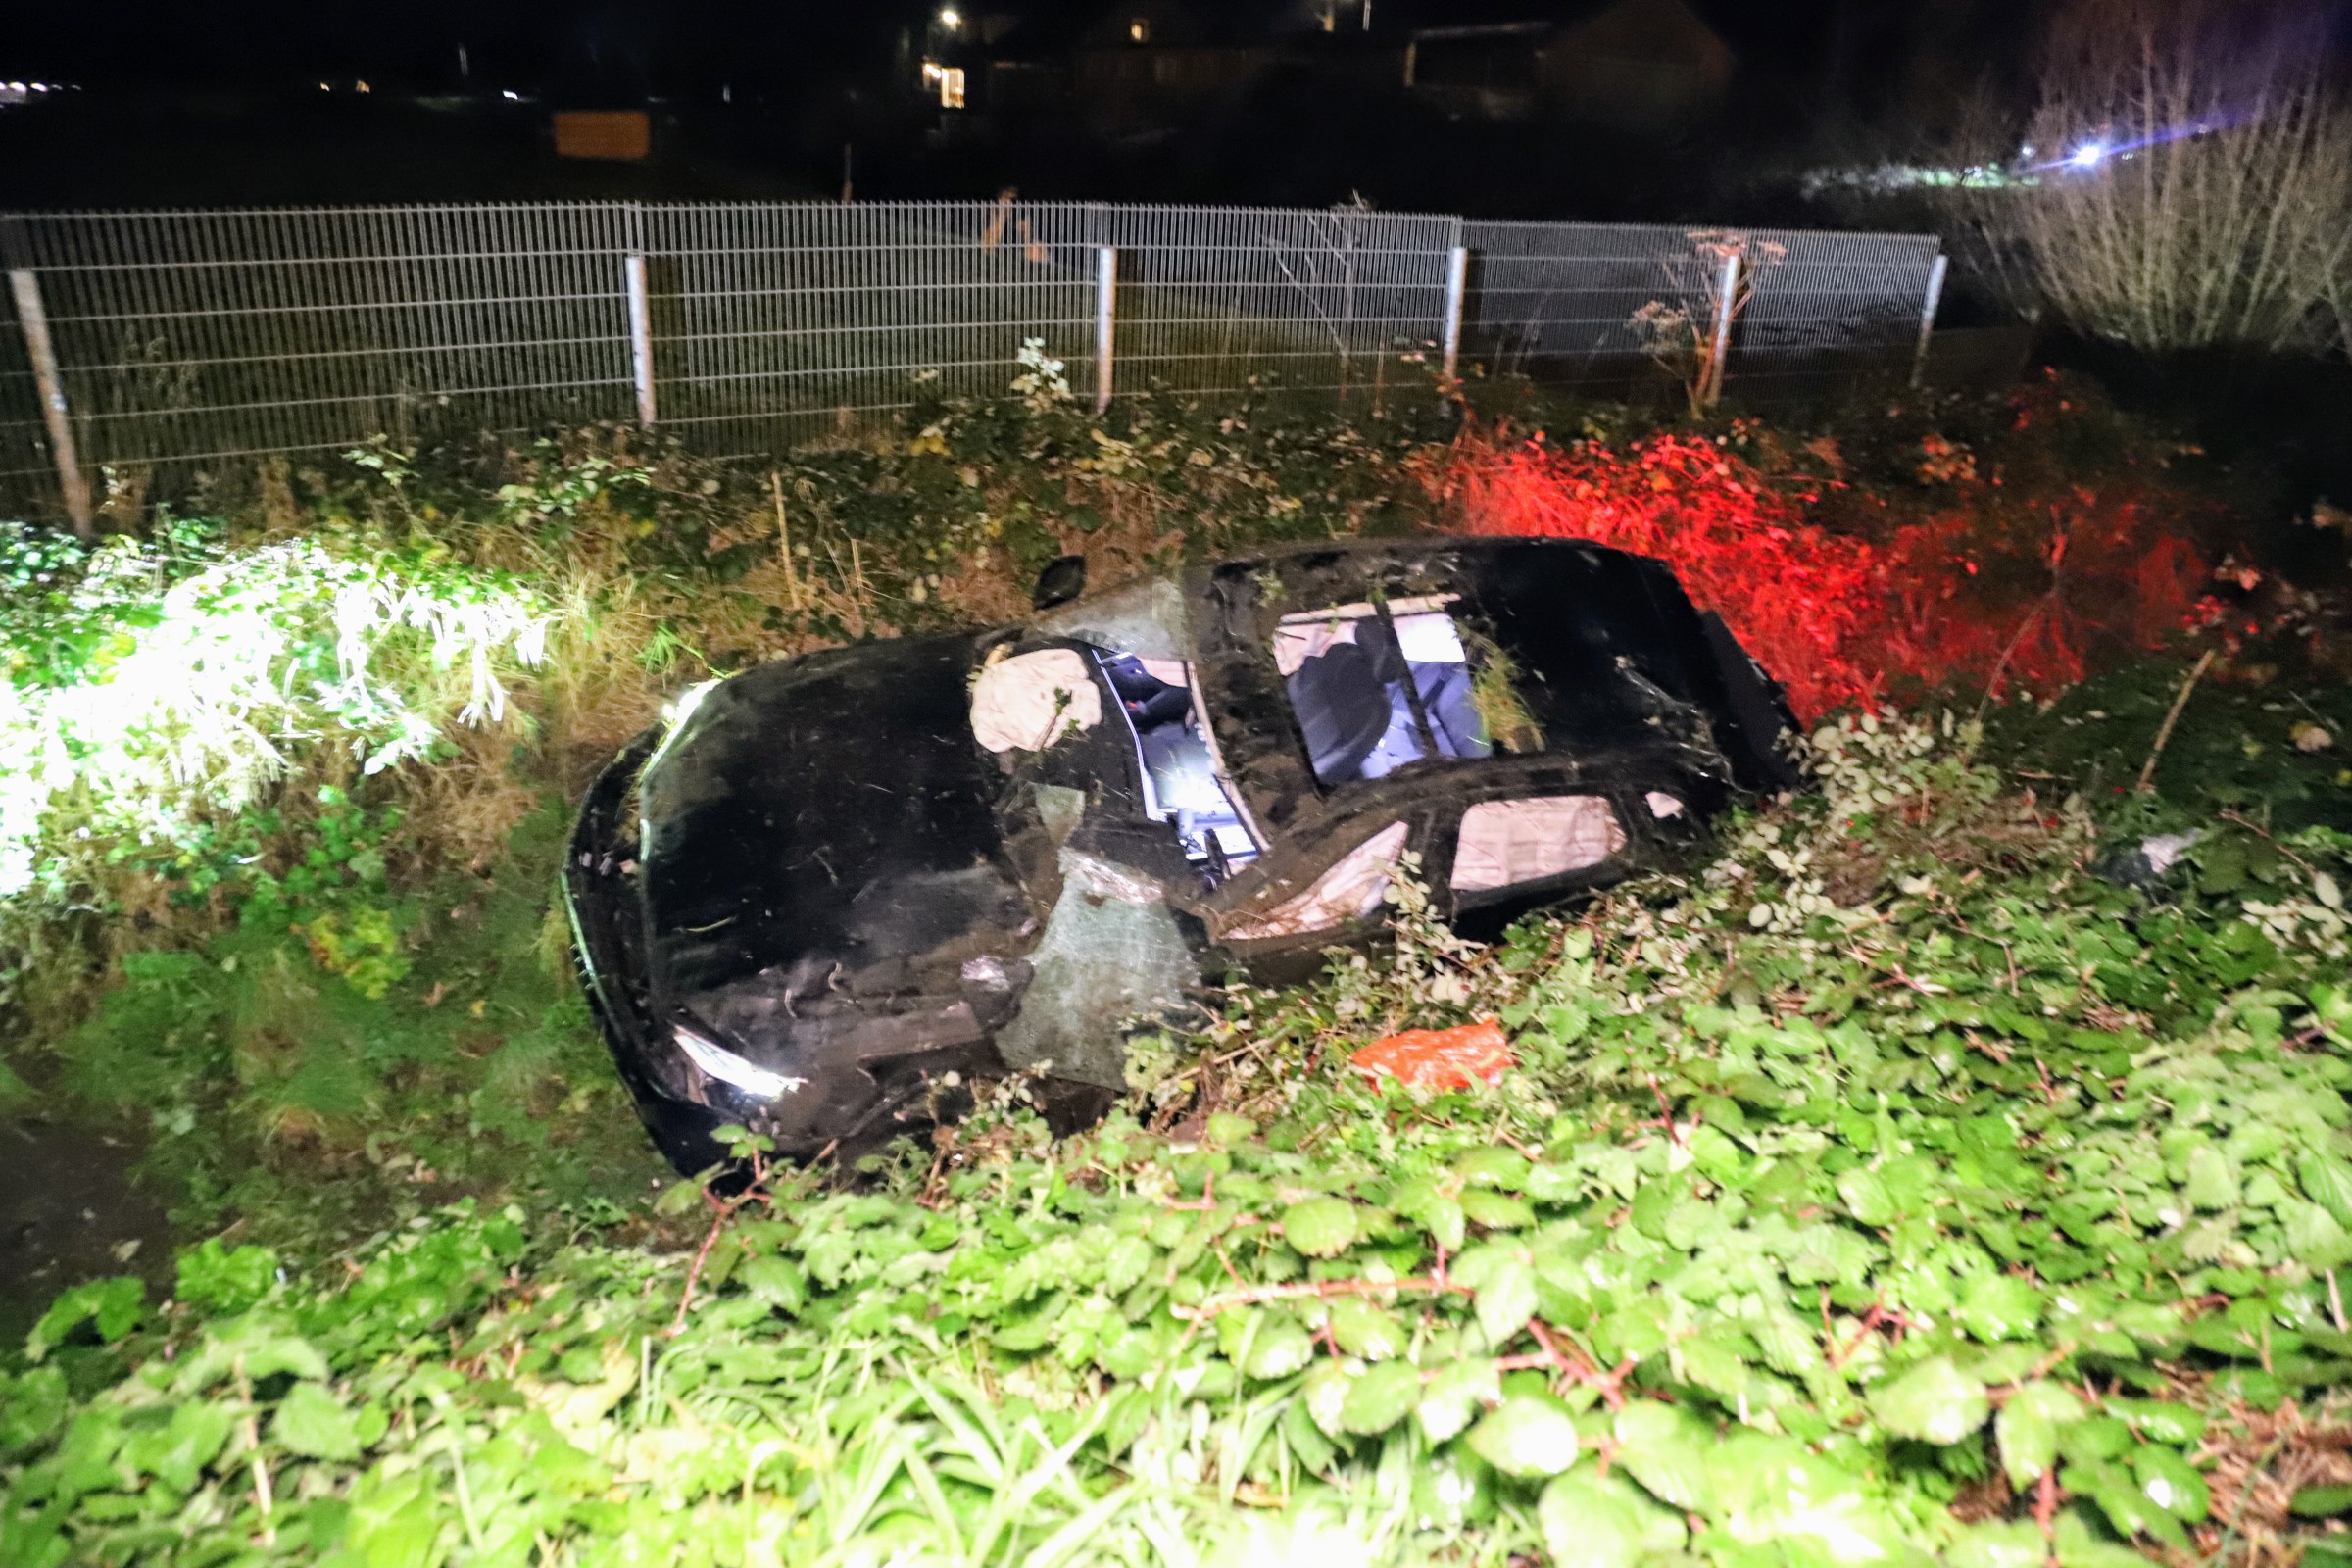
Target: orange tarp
1440,1059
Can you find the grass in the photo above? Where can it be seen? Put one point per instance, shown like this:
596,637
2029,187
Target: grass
313,1102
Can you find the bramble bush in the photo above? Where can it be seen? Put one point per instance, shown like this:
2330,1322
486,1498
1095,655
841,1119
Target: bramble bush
1890,1190
1926,567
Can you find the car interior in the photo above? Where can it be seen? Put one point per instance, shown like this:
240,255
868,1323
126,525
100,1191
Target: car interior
1173,759
1372,693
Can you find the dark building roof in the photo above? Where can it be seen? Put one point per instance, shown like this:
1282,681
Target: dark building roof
1053,27
1056,28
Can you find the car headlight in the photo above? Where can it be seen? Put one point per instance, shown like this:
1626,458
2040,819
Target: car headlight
727,1068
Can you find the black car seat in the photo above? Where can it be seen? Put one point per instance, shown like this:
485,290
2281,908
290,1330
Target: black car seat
1344,699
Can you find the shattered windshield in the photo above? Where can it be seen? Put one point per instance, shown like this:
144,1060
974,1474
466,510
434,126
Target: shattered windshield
1375,687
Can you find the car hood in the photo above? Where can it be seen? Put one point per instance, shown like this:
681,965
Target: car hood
825,828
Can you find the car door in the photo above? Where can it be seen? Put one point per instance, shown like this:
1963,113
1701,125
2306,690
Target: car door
1304,899
1516,852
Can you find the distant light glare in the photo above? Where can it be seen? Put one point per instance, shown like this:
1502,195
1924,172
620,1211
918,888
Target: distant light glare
2091,155
511,96
951,19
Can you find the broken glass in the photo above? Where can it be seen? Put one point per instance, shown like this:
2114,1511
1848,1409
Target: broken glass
1175,762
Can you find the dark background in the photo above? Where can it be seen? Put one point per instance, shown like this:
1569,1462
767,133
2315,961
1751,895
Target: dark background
210,105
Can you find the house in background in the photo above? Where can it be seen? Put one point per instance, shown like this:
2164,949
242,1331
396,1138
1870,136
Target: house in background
1147,65
1636,66
1138,68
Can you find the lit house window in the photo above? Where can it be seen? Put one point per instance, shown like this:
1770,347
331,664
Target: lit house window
950,88
1140,29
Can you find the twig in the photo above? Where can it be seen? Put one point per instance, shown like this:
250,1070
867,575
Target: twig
722,1209
792,574
1992,683
1202,1205
2147,770
2260,832
1674,1134
1313,1287
694,1275
1878,1317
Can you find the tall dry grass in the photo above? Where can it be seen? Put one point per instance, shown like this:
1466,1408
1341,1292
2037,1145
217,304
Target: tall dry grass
2223,215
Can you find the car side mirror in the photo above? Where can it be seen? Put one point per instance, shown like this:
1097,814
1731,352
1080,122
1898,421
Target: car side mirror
1062,580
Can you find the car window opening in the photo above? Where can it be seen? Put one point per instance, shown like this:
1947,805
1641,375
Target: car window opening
1352,889
1374,691
1178,770
1506,844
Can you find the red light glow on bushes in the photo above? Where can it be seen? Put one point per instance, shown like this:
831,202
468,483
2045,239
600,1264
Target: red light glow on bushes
1979,586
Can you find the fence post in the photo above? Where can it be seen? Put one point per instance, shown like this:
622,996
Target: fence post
641,336
1107,291
1727,306
52,389
1458,282
1927,318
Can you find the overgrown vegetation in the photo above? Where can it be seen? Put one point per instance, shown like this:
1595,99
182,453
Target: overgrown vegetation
1893,1188
1889,1189
2010,545
292,785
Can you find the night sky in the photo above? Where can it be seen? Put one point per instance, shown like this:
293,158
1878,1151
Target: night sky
217,104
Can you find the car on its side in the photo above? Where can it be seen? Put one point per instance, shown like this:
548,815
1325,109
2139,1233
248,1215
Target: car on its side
835,891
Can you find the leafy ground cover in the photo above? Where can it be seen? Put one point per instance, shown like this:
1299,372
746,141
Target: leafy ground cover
1890,1190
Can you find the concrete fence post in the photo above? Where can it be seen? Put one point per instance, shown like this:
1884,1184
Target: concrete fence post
1927,318
1107,292
641,336
1727,306
51,385
1458,282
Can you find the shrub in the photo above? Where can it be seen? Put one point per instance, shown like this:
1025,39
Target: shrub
1958,578
159,685
2211,200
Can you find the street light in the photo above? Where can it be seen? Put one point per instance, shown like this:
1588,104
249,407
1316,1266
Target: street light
951,19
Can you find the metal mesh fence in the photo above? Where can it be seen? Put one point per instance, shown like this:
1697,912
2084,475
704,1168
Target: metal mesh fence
204,335
1558,302
1826,304
1219,299
195,336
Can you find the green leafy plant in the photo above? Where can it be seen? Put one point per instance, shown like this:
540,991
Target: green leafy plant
1952,1171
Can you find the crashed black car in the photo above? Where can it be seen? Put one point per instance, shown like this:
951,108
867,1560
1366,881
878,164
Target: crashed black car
837,888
